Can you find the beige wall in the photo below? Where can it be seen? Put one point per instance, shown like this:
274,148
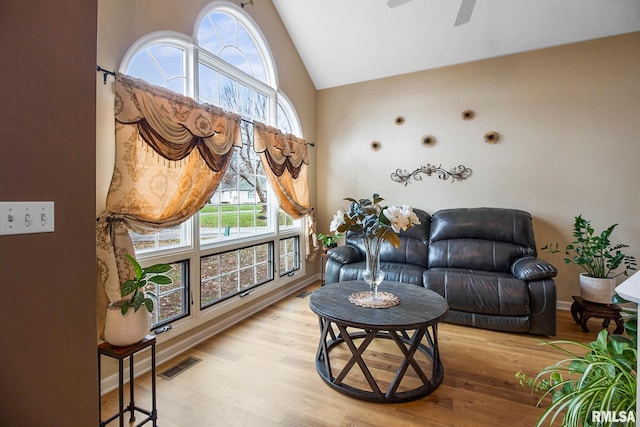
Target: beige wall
569,120
47,321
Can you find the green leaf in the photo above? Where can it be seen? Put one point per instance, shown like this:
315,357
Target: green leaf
577,366
621,338
124,308
631,326
137,268
617,299
148,304
383,219
128,287
158,268
601,340
161,280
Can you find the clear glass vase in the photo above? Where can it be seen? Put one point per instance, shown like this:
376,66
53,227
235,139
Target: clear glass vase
373,274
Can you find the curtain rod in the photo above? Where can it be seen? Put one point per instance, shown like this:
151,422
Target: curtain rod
106,73
112,73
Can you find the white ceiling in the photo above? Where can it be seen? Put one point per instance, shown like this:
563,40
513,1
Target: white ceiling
348,41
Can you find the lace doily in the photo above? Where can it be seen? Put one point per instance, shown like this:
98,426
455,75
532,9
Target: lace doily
384,300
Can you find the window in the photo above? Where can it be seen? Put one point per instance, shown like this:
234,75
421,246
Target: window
172,300
241,206
161,64
240,239
170,238
232,273
289,255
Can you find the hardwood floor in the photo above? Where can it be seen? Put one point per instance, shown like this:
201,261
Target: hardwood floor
261,373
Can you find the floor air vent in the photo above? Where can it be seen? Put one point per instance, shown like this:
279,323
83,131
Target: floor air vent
173,372
304,294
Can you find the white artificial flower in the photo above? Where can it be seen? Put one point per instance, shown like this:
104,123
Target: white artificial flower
413,218
397,218
337,221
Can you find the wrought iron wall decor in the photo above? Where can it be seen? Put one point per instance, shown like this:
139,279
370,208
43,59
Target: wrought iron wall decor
458,173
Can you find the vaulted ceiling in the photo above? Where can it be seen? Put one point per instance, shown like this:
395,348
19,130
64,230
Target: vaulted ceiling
348,41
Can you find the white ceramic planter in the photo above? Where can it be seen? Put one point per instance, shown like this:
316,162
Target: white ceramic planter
126,330
597,290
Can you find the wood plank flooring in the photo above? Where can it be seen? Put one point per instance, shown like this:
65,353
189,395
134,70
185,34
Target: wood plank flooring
261,373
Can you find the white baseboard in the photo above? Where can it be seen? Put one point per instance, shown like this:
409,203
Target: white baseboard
178,345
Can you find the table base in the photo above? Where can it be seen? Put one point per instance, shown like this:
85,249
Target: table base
407,344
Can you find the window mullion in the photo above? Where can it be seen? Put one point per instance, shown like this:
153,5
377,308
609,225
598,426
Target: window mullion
192,73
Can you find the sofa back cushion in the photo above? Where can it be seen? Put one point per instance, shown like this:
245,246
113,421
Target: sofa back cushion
414,243
489,239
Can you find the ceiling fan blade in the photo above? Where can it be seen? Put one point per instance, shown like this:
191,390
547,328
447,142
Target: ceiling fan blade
394,3
464,14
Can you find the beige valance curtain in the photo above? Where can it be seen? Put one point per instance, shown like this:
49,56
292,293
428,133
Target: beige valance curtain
171,154
285,159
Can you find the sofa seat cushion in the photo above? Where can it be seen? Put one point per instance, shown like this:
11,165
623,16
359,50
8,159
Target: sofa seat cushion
393,271
476,291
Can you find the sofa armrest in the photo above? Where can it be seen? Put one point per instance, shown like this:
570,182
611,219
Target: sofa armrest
543,302
532,268
344,254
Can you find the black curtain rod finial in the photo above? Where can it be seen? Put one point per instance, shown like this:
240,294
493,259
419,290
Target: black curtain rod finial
106,73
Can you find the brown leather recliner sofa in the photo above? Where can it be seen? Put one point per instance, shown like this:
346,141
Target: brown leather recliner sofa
481,260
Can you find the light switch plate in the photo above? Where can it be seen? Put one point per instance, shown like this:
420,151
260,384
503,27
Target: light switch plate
26,217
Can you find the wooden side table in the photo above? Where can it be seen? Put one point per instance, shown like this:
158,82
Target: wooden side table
582,310
121,353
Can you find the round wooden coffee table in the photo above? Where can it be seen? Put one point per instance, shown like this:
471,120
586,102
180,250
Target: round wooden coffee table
412,325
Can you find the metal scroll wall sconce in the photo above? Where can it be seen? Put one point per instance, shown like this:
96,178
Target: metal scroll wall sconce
458,173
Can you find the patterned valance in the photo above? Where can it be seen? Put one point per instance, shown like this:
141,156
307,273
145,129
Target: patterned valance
282,151
173,124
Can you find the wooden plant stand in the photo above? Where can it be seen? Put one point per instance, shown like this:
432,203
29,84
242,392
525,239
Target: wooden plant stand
582,310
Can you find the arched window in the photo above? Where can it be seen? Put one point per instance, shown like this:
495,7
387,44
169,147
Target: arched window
224,33
239,239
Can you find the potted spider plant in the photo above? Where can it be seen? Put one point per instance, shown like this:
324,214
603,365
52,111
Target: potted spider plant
602,260
129,319
593,384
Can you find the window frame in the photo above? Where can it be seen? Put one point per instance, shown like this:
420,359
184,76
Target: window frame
270,263
193,251
186,295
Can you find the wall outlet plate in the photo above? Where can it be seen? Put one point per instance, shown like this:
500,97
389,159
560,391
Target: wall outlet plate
26,217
